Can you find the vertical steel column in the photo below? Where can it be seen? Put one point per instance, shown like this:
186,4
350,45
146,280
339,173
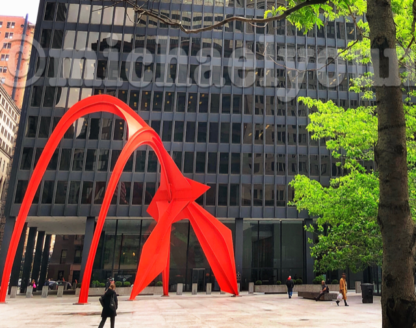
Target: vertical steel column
238,247
38,256
14,277
27,266
89,232
45,260
7,236
308,258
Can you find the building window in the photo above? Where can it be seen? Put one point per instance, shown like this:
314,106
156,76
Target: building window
63,256
7,45
77,256
10,24
4,58
8,35
1,24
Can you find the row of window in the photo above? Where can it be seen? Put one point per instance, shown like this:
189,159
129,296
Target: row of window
77,256
186,46
178,131
179,102
9,24
7,135
95,14
139,193
8,108
187,162
188,74
6,147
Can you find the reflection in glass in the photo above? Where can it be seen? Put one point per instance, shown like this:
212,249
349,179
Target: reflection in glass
74,192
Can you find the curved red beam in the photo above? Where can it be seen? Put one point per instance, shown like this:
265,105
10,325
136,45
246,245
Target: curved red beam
169,205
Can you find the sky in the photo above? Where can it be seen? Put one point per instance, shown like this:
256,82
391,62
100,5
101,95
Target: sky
20,8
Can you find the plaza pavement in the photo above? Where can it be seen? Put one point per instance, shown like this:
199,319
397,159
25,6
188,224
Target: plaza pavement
217,311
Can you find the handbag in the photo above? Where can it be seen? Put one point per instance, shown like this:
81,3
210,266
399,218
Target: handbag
101,299
339,297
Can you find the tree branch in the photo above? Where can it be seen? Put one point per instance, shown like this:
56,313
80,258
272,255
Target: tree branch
141,11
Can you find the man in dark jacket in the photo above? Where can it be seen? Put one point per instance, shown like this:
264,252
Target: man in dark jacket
110,305
290,284
325,289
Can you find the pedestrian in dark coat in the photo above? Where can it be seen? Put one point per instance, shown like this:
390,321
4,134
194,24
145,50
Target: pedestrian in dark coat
290,284
110,305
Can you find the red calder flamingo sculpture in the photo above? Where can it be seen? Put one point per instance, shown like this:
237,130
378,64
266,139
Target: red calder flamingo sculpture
173,201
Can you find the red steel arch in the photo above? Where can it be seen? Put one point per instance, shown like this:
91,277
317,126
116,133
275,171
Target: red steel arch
173,201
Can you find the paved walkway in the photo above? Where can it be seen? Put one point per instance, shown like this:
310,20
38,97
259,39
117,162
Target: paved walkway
192,311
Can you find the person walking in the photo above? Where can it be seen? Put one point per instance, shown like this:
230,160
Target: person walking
33,284
343,289
108,283
325,289
290,284
110,304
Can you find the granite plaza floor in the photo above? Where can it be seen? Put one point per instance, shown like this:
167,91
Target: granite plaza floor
222,311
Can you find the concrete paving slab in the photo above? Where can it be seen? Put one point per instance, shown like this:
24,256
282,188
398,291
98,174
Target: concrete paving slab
189,311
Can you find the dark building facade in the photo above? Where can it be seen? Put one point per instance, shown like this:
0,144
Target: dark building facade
232,123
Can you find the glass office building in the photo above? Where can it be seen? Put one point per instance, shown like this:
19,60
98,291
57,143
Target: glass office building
225,105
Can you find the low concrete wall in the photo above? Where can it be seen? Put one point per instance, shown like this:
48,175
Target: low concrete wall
270,289
126,291
298,288
314,288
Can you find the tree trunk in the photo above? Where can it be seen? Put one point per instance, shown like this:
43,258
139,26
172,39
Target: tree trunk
398,232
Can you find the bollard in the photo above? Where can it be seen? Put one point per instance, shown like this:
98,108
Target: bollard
179,289
45,291
77,291
251,287
29,292
358,287
60,291
13,292
194,289
209,288
221,292
238,287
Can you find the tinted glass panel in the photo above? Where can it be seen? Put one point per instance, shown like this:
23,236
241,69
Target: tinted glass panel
65,160
61,191
47,193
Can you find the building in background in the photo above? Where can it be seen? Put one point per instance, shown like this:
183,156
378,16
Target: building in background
245,143
9,122
12,30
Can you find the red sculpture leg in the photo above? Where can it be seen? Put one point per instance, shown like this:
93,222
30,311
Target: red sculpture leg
165,275
217,243
156,250
144,136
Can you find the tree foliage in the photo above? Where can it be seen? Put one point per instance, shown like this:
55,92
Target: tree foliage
349,205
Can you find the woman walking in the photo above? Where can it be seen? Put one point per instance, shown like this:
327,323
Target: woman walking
343,289
110,305
33,284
